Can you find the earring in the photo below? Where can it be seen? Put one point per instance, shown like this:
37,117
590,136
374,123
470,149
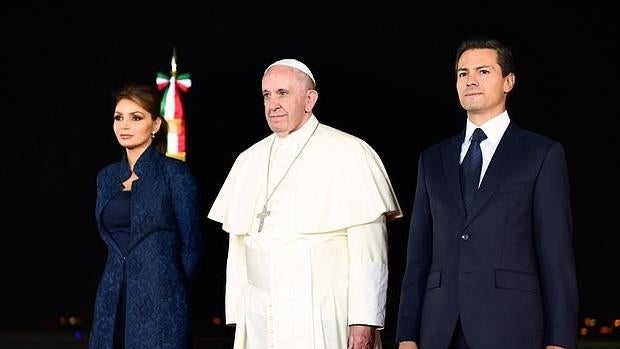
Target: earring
153,135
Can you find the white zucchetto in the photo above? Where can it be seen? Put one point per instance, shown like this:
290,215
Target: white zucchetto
293,63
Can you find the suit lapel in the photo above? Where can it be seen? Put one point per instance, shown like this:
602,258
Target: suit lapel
507,149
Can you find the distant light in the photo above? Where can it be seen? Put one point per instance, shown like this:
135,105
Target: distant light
606,330
617,323
583,331
217,321
75,320
590,322
77,335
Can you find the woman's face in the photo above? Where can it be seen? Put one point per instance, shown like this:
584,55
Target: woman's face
133,125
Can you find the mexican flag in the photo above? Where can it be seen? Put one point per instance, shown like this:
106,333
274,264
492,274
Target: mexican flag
172,109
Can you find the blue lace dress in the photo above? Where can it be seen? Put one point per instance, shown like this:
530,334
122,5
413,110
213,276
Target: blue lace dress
116,219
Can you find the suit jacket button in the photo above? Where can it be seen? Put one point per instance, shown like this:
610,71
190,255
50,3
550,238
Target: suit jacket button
465,237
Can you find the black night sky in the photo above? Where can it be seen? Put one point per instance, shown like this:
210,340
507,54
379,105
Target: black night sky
384,73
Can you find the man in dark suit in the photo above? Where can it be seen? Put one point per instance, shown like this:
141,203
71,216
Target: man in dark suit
491,266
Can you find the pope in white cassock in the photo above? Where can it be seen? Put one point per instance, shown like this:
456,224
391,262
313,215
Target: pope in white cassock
306,210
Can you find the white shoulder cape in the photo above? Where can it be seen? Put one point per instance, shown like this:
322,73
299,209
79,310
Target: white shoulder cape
344,184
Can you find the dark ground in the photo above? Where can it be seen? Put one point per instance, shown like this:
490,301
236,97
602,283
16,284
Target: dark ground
68,340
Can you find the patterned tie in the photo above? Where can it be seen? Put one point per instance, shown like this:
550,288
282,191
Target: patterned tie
471,167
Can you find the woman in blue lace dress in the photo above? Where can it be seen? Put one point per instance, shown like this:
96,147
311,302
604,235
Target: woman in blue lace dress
148,215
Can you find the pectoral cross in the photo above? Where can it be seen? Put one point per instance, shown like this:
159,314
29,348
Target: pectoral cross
262,215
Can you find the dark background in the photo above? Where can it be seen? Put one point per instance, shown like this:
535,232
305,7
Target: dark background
384,73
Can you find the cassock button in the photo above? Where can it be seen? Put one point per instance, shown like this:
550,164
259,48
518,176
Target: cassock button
465,237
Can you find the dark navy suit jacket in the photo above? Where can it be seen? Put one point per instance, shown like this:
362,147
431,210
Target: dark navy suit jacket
508,268
165,247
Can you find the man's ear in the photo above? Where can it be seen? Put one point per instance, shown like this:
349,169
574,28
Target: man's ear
311,97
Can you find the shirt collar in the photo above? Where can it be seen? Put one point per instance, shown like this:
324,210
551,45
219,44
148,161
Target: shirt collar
494,128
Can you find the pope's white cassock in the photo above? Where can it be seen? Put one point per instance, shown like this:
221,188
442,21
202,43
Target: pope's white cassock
319,262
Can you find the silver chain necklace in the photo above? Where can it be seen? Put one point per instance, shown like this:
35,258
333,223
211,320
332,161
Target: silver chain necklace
264,213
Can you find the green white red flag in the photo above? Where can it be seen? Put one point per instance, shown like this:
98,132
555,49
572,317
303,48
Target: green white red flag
172,107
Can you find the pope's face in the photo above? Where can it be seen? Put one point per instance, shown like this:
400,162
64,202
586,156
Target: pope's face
287,98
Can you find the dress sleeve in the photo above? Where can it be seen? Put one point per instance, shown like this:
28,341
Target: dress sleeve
187,210
236,276
368,273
